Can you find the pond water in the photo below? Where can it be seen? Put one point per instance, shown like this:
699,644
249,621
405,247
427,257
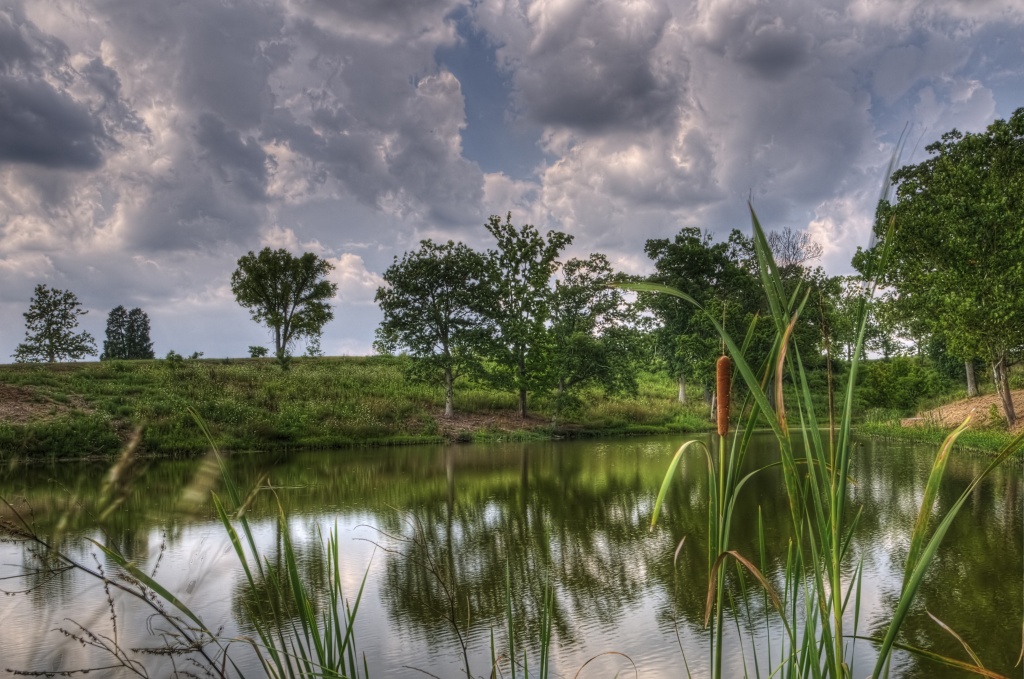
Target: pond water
572,514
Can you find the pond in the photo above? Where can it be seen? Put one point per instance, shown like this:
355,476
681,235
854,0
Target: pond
573,515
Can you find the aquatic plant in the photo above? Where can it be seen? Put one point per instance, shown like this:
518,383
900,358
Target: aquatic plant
818,595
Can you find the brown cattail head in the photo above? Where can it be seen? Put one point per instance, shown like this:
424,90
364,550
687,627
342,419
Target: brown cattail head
723,373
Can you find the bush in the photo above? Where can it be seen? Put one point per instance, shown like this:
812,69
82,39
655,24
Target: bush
900,383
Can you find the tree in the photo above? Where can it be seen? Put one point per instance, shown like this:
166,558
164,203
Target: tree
127,335
792,249
50,324
515,304
720,277
957,256
256,351
428,306
289,294
138,342
592,337
116,344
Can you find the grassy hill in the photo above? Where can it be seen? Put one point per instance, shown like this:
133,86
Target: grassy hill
90,409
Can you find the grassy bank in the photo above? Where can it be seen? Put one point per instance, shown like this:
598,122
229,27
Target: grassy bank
89,409
980,440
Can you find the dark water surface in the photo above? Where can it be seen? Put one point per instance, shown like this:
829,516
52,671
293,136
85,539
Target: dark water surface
574,514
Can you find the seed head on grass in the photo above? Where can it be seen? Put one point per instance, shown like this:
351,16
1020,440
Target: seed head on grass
723,373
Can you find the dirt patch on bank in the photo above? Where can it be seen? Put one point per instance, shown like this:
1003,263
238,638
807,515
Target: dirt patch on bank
21,405
462,426
952,414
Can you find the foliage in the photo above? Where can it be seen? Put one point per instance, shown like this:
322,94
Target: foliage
813,607
50,324
429,305
717,275
515,305
257,351
289,294
957,261
900,383
127,335
591,330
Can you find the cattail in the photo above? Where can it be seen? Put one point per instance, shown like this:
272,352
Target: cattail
723,373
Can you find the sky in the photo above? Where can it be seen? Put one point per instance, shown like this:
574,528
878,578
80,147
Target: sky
146,145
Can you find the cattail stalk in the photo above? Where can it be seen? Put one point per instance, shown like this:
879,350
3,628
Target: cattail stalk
723,374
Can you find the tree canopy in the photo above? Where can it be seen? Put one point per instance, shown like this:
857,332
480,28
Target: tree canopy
592,329
957,256
50,324
429,310
717,275
515,304
290,295
127,335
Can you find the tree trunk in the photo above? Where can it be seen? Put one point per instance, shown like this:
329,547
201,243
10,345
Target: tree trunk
714,407
972,383
1002,378
521,375
682,388
449,394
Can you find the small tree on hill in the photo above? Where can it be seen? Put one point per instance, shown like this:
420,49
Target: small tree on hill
289,294
428,309
50,324
515,305
138,343
115,345
127,335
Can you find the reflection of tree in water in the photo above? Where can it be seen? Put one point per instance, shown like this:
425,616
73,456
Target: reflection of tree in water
271,599
582,526
550,525
577,514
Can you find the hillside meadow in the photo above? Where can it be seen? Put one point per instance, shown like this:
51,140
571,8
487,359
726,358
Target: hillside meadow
90,409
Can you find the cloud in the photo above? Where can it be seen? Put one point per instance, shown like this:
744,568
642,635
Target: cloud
145,145
40,123
356,285
243,163
589,65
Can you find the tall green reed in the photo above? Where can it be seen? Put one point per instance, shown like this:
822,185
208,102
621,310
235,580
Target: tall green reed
816,596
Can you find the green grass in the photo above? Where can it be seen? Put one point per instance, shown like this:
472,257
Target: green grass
980,440
251,404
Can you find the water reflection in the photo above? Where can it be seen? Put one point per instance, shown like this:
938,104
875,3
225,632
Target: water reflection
570,515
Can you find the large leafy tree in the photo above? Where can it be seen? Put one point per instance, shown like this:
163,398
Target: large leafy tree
515,305
593,338
127,335
428,311
716,274
50,324
957,257
290,295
